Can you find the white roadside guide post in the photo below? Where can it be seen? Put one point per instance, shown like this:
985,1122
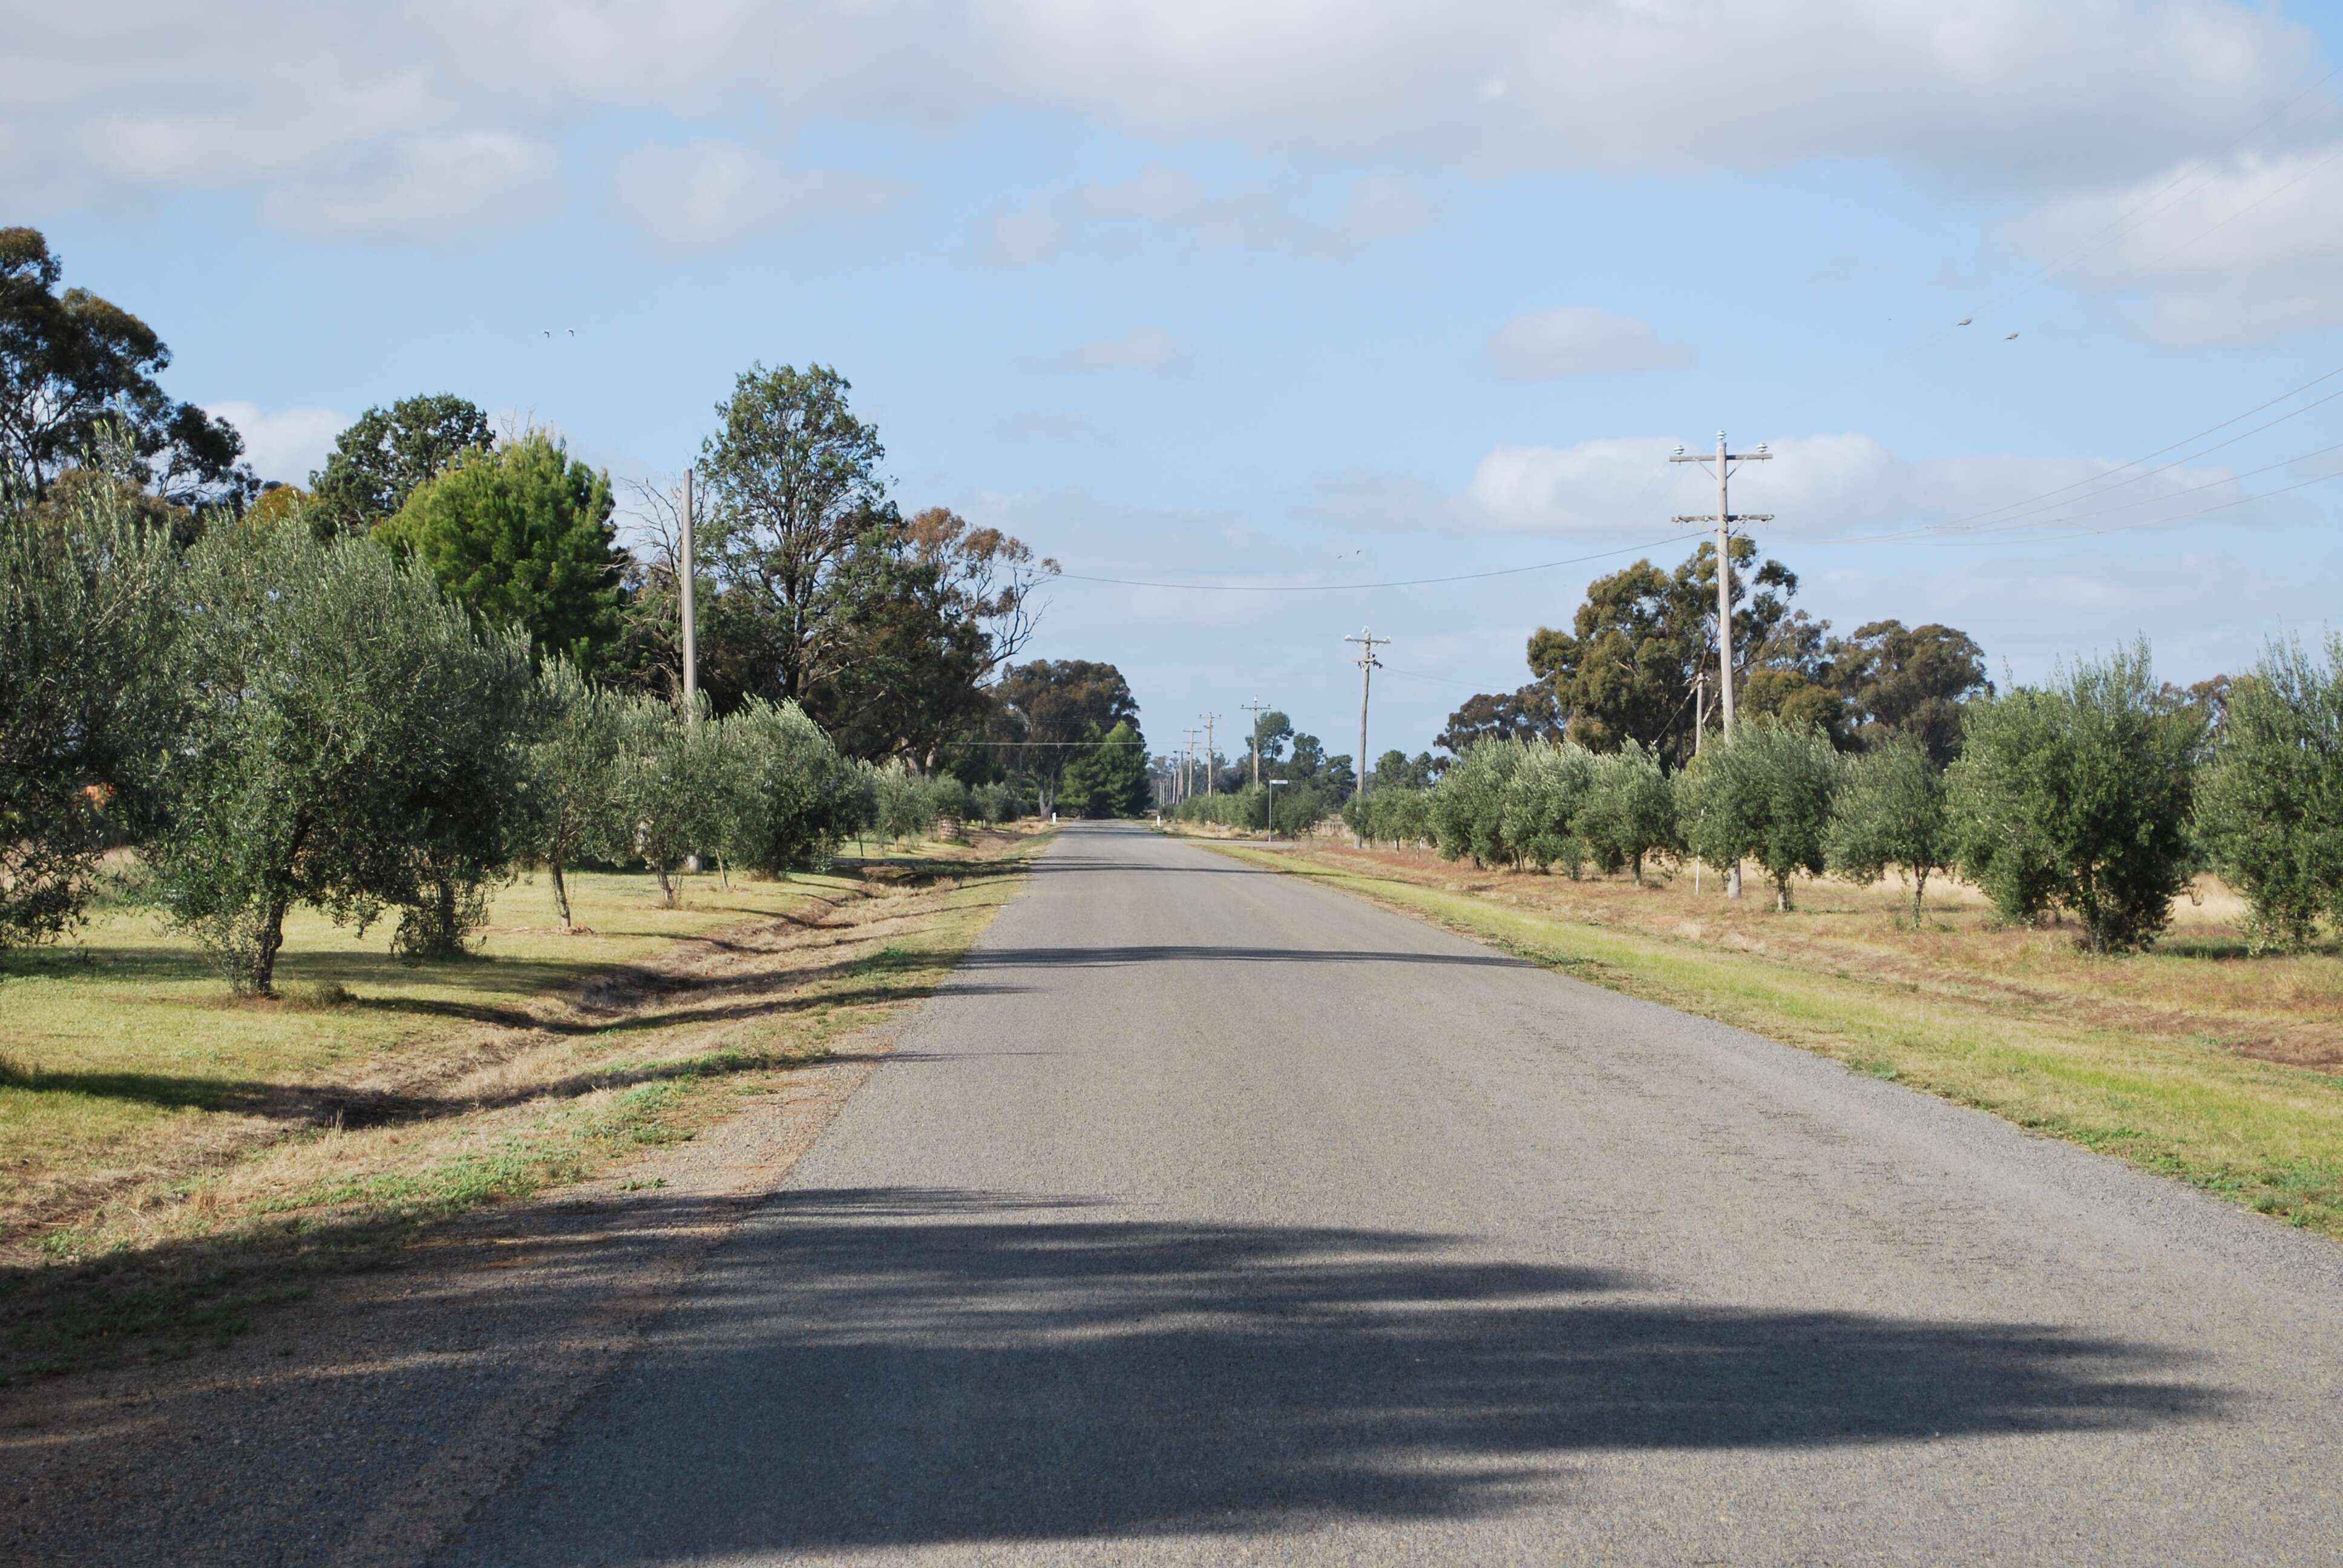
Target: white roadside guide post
1724,519
1272,804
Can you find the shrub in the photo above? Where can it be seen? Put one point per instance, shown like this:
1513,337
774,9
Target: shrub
903,807
1890,811
2270,808
998,802
1764,792
2077,796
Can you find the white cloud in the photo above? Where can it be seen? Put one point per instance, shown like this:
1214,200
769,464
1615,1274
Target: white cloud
427,187
1579,340
713,192
289,444
1153,350
2240,251
1294,217
292,101
1068,425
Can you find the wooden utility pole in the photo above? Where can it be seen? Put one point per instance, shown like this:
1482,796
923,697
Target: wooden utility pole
1256,708
1367,663
687,571
1724,519
1211,758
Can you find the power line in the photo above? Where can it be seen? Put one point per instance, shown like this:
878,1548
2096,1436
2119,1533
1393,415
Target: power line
2201,511
1349,587
2160,451
1992,534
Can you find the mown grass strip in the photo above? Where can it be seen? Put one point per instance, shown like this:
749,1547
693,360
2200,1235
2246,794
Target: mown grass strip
2259,1133
167,1281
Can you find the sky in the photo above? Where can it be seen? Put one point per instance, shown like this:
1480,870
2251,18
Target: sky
1291,298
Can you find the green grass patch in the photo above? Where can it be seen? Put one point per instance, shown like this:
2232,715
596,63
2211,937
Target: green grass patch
180,1260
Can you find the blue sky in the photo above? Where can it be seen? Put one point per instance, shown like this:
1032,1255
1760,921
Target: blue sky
1287,293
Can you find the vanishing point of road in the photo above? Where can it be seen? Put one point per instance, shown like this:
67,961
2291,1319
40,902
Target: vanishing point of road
1212,1216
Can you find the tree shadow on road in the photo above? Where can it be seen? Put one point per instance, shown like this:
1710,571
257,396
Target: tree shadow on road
889,1368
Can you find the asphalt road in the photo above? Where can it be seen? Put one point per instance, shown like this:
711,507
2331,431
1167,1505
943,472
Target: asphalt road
1214,1217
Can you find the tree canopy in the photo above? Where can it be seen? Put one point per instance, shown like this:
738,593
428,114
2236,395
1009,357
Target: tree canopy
1908,681
2076,796
1049,705
72,364
387,454
522,533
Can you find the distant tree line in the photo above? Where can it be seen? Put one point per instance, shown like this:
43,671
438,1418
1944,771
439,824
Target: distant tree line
2097,794
1631,667
379,694
1311,786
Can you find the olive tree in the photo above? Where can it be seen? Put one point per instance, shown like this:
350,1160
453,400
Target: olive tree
1890,811
1468,805
1763,792
573,774
2077,796
788,797
2270,808
668,783
88,617
354,743
1630,811
1543,798
903,808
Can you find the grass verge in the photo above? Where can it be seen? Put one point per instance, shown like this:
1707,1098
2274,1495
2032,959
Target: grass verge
2090,1059
235,1199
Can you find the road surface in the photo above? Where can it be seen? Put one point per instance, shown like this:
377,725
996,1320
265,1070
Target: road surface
1214,1217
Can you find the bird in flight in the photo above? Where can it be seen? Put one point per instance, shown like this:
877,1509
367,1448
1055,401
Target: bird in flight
1964,320
2011,338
